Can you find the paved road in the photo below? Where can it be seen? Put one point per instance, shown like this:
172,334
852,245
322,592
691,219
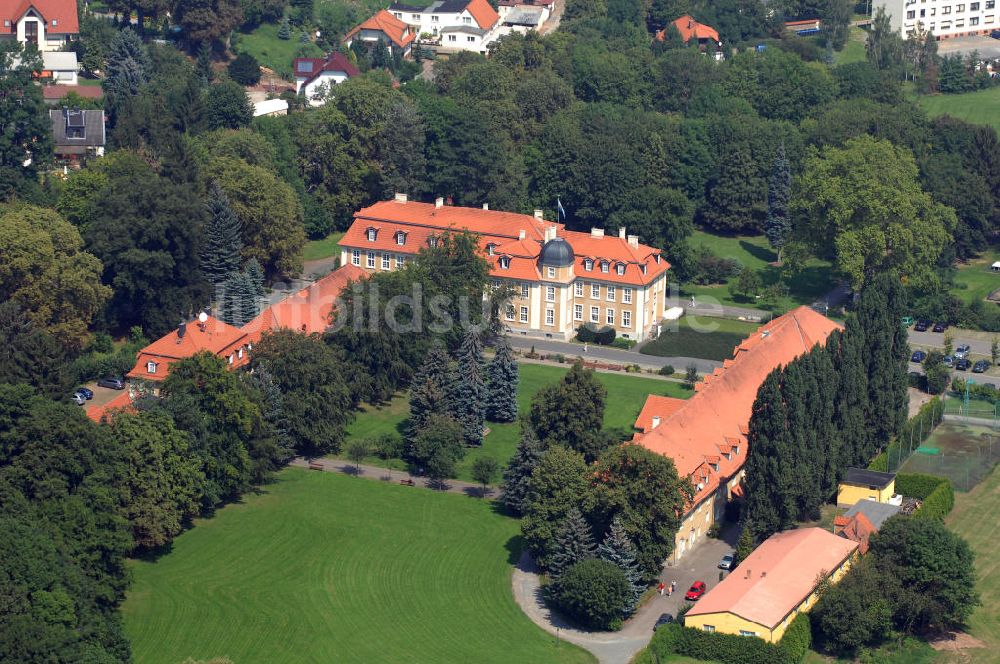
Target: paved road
987,46
980,343
620,647
612,355
333,465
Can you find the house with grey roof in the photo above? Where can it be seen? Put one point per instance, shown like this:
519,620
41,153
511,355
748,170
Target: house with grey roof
77,133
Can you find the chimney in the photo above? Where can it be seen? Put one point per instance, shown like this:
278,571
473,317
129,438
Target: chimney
486,206
748,574
520,234
400,198
538,214
181,330
550,233
596,232
656,421
438,202
633,241
621,233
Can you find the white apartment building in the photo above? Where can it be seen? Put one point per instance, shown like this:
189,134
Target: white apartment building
459,25
943,18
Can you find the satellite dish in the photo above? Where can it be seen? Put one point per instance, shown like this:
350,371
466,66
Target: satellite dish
202,317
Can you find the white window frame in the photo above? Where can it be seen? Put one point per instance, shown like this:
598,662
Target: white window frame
605,266
400,261
611,293
577,312
525,290
620,268
371,234
595,314
504,263
551,272
385,261
626,318
401,238
355,257
509,312
550,316
609,316
595,291
627,295
524,314
151,367
578,289
370,260
550,293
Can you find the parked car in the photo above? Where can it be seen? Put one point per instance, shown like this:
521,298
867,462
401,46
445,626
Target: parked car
697,590
87,393
112,382
980,367
922,325
940,326
78,399
948,361
918,356
995,34
726,562
962,352
664,619
962,365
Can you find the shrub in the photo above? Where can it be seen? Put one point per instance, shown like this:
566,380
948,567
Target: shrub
585,335
627,344
245,69
938,504
880,463
605,336
389,446
592,592
797,638
667,370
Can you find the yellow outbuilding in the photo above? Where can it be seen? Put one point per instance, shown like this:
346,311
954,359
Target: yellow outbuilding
862,484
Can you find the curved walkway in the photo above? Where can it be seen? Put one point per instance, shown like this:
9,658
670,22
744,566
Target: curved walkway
620,647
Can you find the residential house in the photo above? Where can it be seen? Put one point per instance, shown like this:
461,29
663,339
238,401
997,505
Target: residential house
48,24
307,310
58,67
706,435
775,583
863,484
863,520
942,18
459,25
706,36
314,77
77,133
385,27
524,15
560,279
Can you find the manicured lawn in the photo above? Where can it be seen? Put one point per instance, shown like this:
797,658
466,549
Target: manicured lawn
974,518
317,249
854,49
702,337
626,395
274,53
980,107
975,280
322,567
754,252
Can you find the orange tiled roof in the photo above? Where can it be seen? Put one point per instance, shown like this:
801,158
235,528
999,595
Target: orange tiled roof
121,402
777,576
60,15
719,412
214,336
309,309
483,13
389,25
657,406
857,528
421,221
688,28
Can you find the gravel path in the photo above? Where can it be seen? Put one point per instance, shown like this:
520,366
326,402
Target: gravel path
395,476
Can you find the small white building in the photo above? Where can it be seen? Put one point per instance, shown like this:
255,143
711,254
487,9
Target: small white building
315,76
942,18
48,24
458,25
270,108
58,67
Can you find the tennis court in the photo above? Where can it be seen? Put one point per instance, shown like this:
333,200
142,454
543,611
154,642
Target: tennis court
964,453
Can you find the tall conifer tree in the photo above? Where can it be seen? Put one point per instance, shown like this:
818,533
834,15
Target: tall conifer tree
618,549
468,389
777,225
770,487
517,476
429,390
574,542
220,254
501,397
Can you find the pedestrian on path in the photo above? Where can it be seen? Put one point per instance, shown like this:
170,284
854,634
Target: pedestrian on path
584,348
673,586
661,588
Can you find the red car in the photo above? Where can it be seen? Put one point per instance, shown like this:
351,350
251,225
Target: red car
697,590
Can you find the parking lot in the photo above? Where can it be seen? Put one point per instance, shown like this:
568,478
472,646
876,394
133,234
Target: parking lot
979,343
988,47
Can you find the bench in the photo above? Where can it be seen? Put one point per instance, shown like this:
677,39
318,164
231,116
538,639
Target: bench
407,482
315,465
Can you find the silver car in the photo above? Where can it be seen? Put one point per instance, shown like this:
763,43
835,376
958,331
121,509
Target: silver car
726,562
962,352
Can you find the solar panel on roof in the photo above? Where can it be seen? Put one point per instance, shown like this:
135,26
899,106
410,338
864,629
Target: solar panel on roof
74,119
306,67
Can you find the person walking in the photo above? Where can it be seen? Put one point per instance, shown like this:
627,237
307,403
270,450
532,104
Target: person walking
661,588
673,586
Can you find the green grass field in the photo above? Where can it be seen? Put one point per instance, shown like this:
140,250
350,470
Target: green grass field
974,518
974,280
626,395
687,341
274,53
325,248
854,49
754,252
980,107
323,567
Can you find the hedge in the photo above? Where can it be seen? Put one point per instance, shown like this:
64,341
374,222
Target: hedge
674,639
587,334
937,494
880,463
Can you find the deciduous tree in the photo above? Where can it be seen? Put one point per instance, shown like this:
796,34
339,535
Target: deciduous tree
571,412
25,129
558,484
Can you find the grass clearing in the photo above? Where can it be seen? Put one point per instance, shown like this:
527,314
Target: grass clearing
974,518
754,252
322,567
319,249
974,280
626,395
966,454
701,337
273,53
980,107
854,49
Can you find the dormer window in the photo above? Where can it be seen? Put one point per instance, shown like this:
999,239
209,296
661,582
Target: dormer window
620,268
715,467
372,234
504,263
231,359
54,22
605,266
239,353
588,265
432,242
490,248
643,268
400,238
151,367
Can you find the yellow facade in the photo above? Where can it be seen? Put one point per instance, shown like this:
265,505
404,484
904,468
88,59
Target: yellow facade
849,494
730,623
695,524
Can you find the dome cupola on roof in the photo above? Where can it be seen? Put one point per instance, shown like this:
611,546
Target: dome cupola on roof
557,253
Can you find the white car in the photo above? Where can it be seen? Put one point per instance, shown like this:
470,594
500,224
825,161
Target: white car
962,352
726,562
